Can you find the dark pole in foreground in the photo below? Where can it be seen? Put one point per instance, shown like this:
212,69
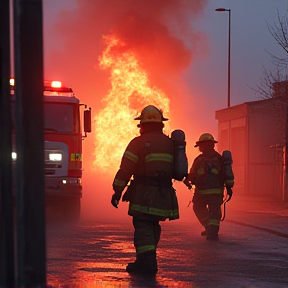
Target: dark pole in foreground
30,197
7,267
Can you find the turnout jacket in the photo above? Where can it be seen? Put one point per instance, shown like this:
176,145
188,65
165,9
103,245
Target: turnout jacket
149,159
208,174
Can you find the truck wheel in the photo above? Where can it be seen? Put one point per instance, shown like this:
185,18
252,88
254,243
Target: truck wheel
71,209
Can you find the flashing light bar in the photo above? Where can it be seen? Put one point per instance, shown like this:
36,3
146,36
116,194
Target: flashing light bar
49,86
56,89
56,86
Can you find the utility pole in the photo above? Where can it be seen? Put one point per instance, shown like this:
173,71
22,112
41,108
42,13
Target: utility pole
229,53
7,266
29,112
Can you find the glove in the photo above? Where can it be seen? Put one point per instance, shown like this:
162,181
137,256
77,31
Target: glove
187,183
115,199
229,193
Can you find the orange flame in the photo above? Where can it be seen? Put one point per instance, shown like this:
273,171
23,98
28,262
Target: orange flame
130,93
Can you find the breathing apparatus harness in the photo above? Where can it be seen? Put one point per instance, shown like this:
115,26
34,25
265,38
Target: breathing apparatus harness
229,176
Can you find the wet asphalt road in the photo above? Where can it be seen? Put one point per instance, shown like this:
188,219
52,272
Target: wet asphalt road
252,252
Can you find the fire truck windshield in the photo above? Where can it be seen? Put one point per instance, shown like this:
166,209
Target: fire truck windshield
59,117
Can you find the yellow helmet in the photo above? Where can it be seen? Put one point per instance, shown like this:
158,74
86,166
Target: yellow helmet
151,114
205,137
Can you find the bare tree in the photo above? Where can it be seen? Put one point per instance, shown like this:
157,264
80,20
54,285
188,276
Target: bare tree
279,31
276,81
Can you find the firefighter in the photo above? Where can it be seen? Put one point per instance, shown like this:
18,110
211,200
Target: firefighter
148,158
207,173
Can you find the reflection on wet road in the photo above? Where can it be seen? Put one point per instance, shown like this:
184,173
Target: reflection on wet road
95,255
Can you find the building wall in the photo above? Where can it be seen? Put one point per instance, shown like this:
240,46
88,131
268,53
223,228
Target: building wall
255,134
265,144
238,147
232,135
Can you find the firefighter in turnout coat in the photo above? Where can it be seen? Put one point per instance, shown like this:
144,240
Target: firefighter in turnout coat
208,175
148,164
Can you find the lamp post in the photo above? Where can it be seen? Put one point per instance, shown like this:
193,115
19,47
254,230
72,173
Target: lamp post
229,49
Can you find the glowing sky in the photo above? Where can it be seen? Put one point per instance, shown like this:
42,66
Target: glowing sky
206,76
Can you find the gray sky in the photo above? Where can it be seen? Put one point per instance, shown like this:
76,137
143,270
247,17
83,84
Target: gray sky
249,40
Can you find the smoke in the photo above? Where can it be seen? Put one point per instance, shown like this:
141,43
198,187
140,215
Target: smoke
161,33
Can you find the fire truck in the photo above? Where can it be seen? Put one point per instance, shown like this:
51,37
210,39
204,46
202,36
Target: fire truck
63,135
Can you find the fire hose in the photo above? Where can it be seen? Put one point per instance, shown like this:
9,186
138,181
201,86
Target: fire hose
227,199
192,189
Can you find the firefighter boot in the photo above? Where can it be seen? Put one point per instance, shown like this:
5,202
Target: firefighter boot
212,233
145,263
136,266
204,233
149,265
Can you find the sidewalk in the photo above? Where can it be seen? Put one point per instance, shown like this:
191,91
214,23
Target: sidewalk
259,204
261,213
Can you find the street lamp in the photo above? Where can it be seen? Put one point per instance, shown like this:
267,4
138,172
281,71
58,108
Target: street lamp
229,48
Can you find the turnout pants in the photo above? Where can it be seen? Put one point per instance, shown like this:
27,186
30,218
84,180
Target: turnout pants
207,209
147,231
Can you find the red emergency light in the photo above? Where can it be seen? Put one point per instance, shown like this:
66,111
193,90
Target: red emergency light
56,84
53,87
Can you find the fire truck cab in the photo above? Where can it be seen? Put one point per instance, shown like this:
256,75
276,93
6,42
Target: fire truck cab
64,125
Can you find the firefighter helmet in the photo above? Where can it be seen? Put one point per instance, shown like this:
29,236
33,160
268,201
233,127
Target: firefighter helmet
205,137
151,114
